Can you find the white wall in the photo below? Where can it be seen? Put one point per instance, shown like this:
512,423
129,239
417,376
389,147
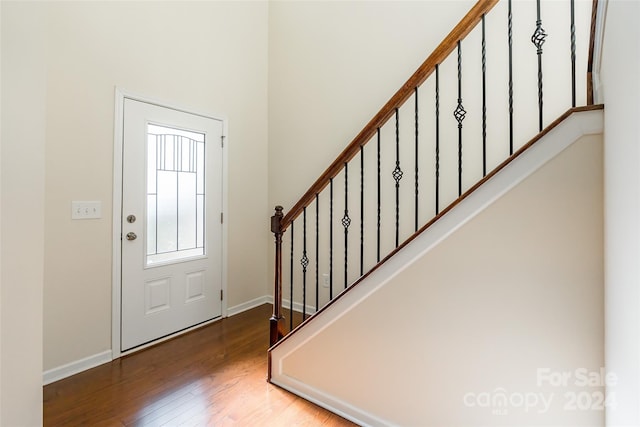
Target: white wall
23,146
621,91
204,56
513,295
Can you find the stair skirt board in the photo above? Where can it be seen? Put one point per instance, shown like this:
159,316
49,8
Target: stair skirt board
329,402
562,136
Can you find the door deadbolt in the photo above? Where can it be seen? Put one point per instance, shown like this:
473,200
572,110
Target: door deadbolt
131,219
131,236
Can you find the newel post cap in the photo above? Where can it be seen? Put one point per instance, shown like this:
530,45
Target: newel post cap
276,219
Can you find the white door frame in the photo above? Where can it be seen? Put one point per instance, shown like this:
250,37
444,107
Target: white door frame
116,270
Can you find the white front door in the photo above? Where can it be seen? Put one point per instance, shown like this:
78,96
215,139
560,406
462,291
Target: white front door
171,221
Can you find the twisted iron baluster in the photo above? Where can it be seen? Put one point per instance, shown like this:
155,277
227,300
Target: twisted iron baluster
346,221
379,213
330,239
361,210
459,114
573,54
317,252
416,155
538,38
304,261
510,39
291,283
437,138
397,176
484,100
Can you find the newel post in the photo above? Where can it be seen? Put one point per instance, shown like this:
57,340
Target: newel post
277,321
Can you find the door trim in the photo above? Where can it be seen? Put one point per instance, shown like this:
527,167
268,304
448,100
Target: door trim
116,262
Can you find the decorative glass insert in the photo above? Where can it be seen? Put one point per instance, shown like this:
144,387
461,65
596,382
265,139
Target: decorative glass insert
175,194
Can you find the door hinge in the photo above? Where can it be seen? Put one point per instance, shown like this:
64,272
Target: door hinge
222,141
221,295
221,217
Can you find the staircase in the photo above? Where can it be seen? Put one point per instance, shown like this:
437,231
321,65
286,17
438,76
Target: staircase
440,153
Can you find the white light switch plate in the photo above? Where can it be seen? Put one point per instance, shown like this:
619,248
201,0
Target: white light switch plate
86,210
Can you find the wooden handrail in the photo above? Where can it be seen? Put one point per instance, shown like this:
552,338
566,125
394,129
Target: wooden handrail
464,27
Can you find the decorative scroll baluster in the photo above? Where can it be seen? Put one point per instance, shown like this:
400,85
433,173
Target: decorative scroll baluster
291,281
510,39
361,210
346,222
484,100
379,215
459,114
397,176
276,322
437,139
330,239
538,38
317,253
304,261
416,155
573,53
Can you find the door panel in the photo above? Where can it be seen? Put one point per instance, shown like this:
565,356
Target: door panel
172,235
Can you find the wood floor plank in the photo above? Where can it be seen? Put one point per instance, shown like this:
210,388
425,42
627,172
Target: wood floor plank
213,376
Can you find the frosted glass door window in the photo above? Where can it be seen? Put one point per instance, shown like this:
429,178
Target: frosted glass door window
175,194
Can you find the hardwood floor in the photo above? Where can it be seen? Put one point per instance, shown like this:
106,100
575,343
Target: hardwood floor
215,375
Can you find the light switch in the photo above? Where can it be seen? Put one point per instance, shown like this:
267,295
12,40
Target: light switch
86,210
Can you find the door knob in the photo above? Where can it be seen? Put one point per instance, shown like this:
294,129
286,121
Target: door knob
131,236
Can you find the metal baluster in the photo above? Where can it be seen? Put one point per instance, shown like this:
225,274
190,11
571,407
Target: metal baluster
379,215
510,37
459,114
361,210
317,252
346,221
416,154
304,261
437,138
573,54
397,176
538,38
484,100
291,283
330,239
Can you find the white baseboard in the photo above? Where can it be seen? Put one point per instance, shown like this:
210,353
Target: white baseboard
237,309
286,304
267,299
332,404
76,367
